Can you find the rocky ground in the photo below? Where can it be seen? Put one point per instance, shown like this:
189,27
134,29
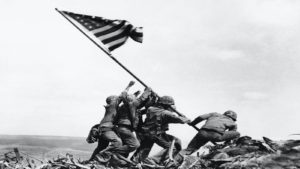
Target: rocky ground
249,153
244,153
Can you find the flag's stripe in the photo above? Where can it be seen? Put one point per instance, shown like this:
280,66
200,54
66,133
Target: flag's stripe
114,28
112,33
104,28
134,33
138,29
120,34
117,43
115,46
138,39
137,34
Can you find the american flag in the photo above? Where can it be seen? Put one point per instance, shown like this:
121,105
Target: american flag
112,33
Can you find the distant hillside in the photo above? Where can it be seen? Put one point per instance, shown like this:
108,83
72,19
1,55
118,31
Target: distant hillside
46,146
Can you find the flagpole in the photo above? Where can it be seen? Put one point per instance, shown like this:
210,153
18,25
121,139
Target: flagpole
114,59
105,51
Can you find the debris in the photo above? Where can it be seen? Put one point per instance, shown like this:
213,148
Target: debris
244,152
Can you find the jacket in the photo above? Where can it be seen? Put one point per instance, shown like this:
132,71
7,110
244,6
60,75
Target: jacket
127,112
158,119
216,122
110,114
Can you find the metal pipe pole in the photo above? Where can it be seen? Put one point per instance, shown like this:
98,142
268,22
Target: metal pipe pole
105,51
114,59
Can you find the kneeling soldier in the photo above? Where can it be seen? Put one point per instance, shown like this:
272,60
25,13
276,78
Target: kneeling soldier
218,127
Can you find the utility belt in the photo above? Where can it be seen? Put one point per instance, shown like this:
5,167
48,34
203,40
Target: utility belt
212,130
126,126
104,128
155,129
153,132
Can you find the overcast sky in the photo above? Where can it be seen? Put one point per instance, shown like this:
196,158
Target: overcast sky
210,55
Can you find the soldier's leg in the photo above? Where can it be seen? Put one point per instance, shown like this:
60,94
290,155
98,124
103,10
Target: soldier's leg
198,141
165,140
114,140
102,144
177,145
229,135
143,151
130,142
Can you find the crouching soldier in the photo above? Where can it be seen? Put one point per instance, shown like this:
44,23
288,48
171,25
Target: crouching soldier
104,132
107,125
155,126
218,127
94,136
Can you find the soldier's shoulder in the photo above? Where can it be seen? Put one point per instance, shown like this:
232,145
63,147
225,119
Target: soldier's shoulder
215,114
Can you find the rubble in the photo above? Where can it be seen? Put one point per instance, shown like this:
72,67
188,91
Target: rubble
247,153
244,152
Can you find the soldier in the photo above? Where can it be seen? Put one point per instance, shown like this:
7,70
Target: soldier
107,124
94,136
127,120
152,99
155,127
218,127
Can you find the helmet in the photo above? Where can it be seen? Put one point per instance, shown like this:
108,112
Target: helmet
231,114
166,100
109,99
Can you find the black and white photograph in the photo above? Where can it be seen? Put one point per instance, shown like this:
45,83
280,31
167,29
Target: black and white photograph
160,84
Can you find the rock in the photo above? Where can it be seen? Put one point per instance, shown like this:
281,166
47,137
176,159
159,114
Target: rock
244,153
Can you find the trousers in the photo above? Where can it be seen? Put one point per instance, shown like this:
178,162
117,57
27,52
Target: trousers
204,136
163,139
130,142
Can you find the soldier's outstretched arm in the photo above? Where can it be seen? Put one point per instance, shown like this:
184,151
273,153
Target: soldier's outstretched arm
171,118
139,102
131,83
201,118
124,93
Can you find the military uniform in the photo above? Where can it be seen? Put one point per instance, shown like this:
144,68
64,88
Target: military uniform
94,136
127,120
154,131
107,126
218,127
